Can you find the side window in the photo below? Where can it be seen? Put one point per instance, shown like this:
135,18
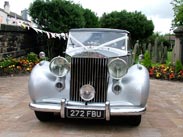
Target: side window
129,48
129,43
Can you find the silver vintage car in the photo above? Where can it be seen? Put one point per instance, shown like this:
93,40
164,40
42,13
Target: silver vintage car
95,80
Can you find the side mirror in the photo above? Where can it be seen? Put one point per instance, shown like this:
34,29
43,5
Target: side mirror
129,53
42,55
141,57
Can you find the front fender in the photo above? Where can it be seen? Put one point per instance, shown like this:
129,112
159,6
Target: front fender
140,82
135,87
42,84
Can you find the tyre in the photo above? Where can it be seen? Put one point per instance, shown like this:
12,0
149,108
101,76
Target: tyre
135,120
44,116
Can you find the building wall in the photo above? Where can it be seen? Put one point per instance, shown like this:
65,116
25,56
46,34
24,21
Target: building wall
15,21
3,17
12,20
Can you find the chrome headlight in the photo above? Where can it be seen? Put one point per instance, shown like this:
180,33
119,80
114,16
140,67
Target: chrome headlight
59,66
117,68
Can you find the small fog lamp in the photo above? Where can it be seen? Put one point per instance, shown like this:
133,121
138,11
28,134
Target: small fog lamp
117,88
87,92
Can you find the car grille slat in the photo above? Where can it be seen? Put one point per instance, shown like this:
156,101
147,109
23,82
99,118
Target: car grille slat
91,71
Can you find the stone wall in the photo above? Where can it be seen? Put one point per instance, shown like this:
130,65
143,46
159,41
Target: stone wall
15,41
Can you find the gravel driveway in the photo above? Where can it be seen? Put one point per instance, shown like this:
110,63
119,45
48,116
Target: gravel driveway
164,116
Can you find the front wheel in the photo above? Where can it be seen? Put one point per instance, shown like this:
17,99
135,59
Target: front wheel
135,120
44,116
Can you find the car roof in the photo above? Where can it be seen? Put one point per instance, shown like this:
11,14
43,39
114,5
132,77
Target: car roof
100,29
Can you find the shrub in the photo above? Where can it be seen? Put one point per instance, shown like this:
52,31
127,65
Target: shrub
32,57
178,66
166,72
22,65
7,62
147,60
169,58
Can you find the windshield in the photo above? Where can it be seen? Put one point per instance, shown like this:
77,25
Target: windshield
97,39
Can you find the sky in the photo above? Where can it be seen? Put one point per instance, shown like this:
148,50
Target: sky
159,11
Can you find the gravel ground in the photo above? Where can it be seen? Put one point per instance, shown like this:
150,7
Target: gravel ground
164,116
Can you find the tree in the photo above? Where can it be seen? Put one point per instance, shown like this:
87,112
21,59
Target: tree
91,20
178,13
61,15
135,22
57,15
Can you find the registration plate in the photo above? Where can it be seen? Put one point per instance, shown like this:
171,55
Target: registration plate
80,113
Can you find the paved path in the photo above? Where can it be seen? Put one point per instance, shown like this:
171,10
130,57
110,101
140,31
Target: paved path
164,117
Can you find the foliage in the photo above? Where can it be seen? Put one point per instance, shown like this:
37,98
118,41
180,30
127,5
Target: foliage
169,57
165,72
12,66
61,15
178,66
147,60
91,20
57,15
135,22
32,57
8,61
178,12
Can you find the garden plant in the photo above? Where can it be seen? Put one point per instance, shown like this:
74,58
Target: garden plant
166,71
17,66
23,66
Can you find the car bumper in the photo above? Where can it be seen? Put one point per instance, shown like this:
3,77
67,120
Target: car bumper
110,110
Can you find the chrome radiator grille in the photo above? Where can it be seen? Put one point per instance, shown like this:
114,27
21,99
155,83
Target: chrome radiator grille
91,71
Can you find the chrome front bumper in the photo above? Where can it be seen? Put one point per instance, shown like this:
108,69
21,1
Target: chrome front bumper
110,110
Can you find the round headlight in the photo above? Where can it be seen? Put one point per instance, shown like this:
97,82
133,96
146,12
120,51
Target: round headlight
87,92
59,66
117,68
